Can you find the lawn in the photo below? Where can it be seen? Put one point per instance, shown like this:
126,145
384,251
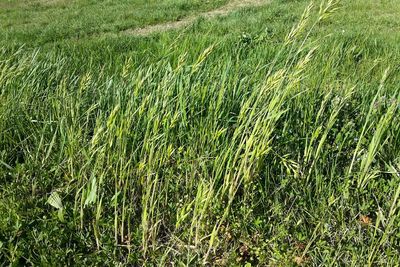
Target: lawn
267,137
39,22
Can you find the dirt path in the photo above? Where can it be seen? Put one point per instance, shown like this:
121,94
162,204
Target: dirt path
222,11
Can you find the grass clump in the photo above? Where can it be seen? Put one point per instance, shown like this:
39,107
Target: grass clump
240,154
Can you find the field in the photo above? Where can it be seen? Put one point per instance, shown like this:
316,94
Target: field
200,133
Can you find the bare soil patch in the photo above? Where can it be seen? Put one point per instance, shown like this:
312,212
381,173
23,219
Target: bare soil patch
222,11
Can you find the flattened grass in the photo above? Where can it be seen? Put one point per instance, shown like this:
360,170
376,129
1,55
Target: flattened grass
40,22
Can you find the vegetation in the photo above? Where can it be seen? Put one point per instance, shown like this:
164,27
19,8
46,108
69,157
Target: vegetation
238,141
39,22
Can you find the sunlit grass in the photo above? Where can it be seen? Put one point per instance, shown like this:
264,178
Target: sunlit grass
221,153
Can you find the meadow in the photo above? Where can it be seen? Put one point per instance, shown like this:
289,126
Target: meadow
266,137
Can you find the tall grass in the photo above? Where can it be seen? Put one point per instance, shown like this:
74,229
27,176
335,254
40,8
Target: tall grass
170,162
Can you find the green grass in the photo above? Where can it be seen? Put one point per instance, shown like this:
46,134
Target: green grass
46,21
236,141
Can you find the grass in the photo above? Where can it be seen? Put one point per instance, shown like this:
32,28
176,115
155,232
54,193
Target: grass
34,23
235,142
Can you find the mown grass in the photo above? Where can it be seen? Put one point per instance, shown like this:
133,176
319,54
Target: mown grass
244,146
41,22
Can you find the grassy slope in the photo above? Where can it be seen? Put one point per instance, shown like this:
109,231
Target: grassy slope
153,135
41,21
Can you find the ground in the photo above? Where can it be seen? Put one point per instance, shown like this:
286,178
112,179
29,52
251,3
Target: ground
256,133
